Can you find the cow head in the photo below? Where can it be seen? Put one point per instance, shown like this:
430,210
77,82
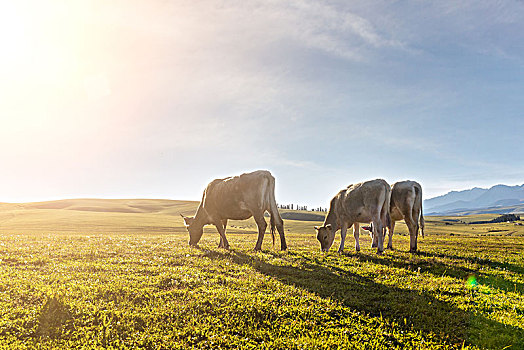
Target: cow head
195,231
370,229
326,236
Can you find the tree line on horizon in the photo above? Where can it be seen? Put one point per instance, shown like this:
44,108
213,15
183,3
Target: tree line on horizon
300,207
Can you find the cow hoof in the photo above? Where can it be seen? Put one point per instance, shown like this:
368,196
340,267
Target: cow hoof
380,252
390,247
373,245
341,251
257,249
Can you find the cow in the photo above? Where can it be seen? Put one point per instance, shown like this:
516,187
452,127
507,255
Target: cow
359,203
237,198
405,204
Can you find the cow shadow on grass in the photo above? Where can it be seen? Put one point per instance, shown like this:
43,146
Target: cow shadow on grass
408,308
440,269
479,261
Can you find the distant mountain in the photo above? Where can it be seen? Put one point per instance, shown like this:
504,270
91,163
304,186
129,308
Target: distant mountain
447,207
500,192
454,196
512,209
476,198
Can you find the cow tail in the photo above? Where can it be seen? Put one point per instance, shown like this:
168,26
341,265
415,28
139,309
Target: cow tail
421,222
386,208
418,200
273,209
272,228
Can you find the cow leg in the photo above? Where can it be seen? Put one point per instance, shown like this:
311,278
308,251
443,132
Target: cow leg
415,229
279,223
262,225
280,229
412,240
224,224
416,221
379,234
412,233
374,238
356,232
390,236
222,231
343,230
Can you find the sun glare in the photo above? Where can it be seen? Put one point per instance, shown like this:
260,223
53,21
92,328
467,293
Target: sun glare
45,59
16,43
42,41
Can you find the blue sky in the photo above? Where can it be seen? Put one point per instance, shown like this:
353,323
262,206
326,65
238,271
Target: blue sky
154,99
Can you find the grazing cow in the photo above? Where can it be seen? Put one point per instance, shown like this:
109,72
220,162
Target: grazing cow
405,204
237,198
362,202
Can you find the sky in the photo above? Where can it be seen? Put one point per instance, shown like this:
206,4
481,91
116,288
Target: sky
154,99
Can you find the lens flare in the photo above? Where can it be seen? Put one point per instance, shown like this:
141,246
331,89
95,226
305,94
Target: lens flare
472,282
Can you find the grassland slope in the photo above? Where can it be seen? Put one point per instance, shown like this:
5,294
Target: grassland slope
92,273
91,279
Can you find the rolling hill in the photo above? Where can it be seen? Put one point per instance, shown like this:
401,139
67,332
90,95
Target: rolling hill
90,215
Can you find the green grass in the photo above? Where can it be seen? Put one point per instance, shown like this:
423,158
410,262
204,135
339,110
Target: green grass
74,278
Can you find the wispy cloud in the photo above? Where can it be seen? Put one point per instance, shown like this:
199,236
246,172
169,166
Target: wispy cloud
321,26
188,89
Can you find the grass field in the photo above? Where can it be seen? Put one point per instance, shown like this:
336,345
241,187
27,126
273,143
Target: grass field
119,274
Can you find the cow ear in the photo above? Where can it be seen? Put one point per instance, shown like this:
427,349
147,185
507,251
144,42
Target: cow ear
328,226
187,220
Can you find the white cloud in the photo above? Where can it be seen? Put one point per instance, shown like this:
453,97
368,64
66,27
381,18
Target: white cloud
319,26
301,85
